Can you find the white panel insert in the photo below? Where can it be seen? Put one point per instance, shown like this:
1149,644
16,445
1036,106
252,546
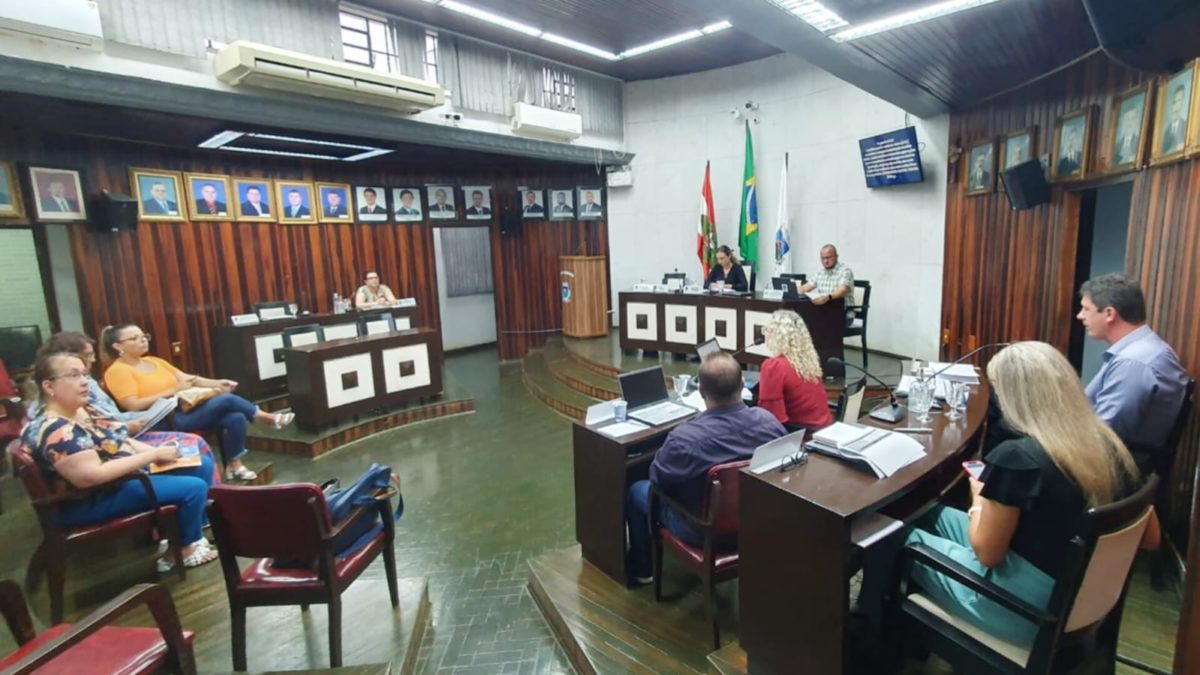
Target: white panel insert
264,353
392,358
341,330
690,334
636,309
337,395
714,314
751,320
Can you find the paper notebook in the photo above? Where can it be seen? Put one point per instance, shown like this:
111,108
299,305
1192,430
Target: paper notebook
883,453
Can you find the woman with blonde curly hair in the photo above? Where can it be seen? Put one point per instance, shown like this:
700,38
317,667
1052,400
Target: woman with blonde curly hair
791,386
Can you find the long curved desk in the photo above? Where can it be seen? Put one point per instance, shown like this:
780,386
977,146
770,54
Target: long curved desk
796,548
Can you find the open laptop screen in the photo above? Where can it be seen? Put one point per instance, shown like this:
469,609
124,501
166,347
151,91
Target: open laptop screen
643,387
710,347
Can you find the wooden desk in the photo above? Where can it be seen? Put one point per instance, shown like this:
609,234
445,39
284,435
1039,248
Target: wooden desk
332,381
677,322
247,353
795,549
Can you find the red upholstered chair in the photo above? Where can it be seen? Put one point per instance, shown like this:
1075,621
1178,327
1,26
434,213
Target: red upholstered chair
12,413
58,541
94,645
291,522
717,560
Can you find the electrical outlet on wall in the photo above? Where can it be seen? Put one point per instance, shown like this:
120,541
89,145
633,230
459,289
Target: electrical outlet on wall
176,348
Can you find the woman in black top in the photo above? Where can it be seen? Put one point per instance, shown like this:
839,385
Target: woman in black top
1030,499
727,270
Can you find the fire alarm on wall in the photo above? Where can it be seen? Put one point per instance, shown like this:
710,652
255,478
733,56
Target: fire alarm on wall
620,176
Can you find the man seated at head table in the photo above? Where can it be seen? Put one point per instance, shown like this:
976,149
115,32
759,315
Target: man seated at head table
834,280
727,431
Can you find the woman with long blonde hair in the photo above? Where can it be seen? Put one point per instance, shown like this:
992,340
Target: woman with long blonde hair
1030,499
791,386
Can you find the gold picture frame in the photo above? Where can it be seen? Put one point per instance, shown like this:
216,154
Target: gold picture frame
11,205
1075,129
326,212
1176,132
1018,146
247,209
303,209
208,196
1128,129
981,168
155,204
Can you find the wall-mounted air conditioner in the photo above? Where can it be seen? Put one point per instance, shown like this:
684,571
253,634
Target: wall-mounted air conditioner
248,64
530,120
67,23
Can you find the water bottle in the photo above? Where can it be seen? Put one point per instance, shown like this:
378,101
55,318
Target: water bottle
337,304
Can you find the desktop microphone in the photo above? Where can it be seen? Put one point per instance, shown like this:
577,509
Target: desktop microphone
969,354
757,341
886,412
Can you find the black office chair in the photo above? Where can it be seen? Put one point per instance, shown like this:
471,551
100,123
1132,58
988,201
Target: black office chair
856,310
681,276
849,402
18,347
1161,460
1081,620
260,307
748,270
381,322
802,278
299,335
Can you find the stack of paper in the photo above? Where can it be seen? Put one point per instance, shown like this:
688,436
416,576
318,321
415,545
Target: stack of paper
840,435
881,451
959,372
622,429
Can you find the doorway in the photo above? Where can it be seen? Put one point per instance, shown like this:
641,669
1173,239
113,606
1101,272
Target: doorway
1103,235
466,291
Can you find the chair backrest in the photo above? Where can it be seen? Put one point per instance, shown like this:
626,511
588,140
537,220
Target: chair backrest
849,405
721,503
7,388
1181,418
270,310
27,469
309,333
748,270
381,322
19,345
802,278
674,275
862,298
269,521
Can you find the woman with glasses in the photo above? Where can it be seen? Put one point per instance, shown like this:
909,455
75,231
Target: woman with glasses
73,442
136,380
373,294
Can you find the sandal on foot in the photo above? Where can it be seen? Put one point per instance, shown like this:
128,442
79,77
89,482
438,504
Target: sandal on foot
162,565
201,556
241,473
284,419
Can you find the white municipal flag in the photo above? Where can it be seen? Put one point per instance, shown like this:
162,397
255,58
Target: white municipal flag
782,223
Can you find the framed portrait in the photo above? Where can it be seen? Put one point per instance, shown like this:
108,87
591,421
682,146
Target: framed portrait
591,203
1018,146
208,196
533,203
253,199
1069,149
295,200
1177,123
370,203
477,201
406,205
58,195
333,203
10,192
981,168
562,204
159,194
1128,129
440,201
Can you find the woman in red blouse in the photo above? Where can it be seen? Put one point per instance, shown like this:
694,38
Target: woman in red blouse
791,385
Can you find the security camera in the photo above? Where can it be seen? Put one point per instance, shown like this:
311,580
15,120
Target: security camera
750,105
453,116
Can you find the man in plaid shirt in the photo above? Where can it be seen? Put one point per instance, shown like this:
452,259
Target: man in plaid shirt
834,279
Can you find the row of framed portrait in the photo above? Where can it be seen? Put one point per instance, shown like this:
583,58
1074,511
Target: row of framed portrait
216,197
1156,122
56,195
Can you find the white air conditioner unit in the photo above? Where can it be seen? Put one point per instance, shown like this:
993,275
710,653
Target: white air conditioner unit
68,23
530,120
255,65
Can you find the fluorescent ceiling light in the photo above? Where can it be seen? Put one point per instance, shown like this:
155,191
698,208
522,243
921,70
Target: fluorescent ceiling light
660,44
814,14
908,18
579,46
221,139
282,153
312,141
714,27
484,15
374,152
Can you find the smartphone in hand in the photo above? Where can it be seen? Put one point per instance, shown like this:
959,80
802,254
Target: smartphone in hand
973,468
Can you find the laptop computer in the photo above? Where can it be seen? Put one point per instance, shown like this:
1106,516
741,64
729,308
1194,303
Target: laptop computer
772,454
645,392
705,348
788,286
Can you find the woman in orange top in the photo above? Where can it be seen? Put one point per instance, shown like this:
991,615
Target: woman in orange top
136,381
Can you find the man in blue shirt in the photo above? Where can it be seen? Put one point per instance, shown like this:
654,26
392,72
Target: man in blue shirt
1141,384
727,431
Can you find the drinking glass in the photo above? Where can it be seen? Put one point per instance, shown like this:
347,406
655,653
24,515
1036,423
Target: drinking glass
920,399
953,394
960,394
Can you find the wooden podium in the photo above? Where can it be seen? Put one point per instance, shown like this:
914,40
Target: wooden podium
584,289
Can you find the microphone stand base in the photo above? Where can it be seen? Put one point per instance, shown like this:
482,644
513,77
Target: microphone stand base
887,412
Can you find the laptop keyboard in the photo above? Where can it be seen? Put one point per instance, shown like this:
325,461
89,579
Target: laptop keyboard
661,413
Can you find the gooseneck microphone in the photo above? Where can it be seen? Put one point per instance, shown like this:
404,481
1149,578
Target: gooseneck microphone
887,412
757,341
969,354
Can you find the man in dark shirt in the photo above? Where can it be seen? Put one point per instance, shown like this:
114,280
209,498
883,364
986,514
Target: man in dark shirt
727,431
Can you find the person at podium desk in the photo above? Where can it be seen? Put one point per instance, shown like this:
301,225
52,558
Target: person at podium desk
791,385
834,280
373,294
728,271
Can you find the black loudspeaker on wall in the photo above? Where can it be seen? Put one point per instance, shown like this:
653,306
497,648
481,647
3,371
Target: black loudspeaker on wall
1026,185
510,222
112,211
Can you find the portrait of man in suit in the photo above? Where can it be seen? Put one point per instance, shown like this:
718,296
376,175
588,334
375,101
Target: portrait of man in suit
8,204
1175,119
532,207
158,195
334,207
1070,153
1016,150
210,202
563,206
481,199
370,203
295,207
55,199
408,205
589,208
441,205
57,194
253,204
1127,141
159,203
981,164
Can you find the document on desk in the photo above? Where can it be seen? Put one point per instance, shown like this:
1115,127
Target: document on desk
883,453
157,413
959,372
694,400
622,429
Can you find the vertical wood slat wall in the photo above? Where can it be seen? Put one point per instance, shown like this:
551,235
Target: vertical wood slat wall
180,280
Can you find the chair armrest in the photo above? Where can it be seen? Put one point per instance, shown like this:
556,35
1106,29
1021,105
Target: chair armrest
12,407
74,493
154,596
382,503
16,612
680,509
920,553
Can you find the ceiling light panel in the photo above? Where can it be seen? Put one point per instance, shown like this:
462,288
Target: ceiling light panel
490,17
716,27
918,15
814,14
579,46
661,44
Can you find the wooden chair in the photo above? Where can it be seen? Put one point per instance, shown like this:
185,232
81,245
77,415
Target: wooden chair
1080,622
59,541
94,644
716,560
856,309
849,402
291,522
